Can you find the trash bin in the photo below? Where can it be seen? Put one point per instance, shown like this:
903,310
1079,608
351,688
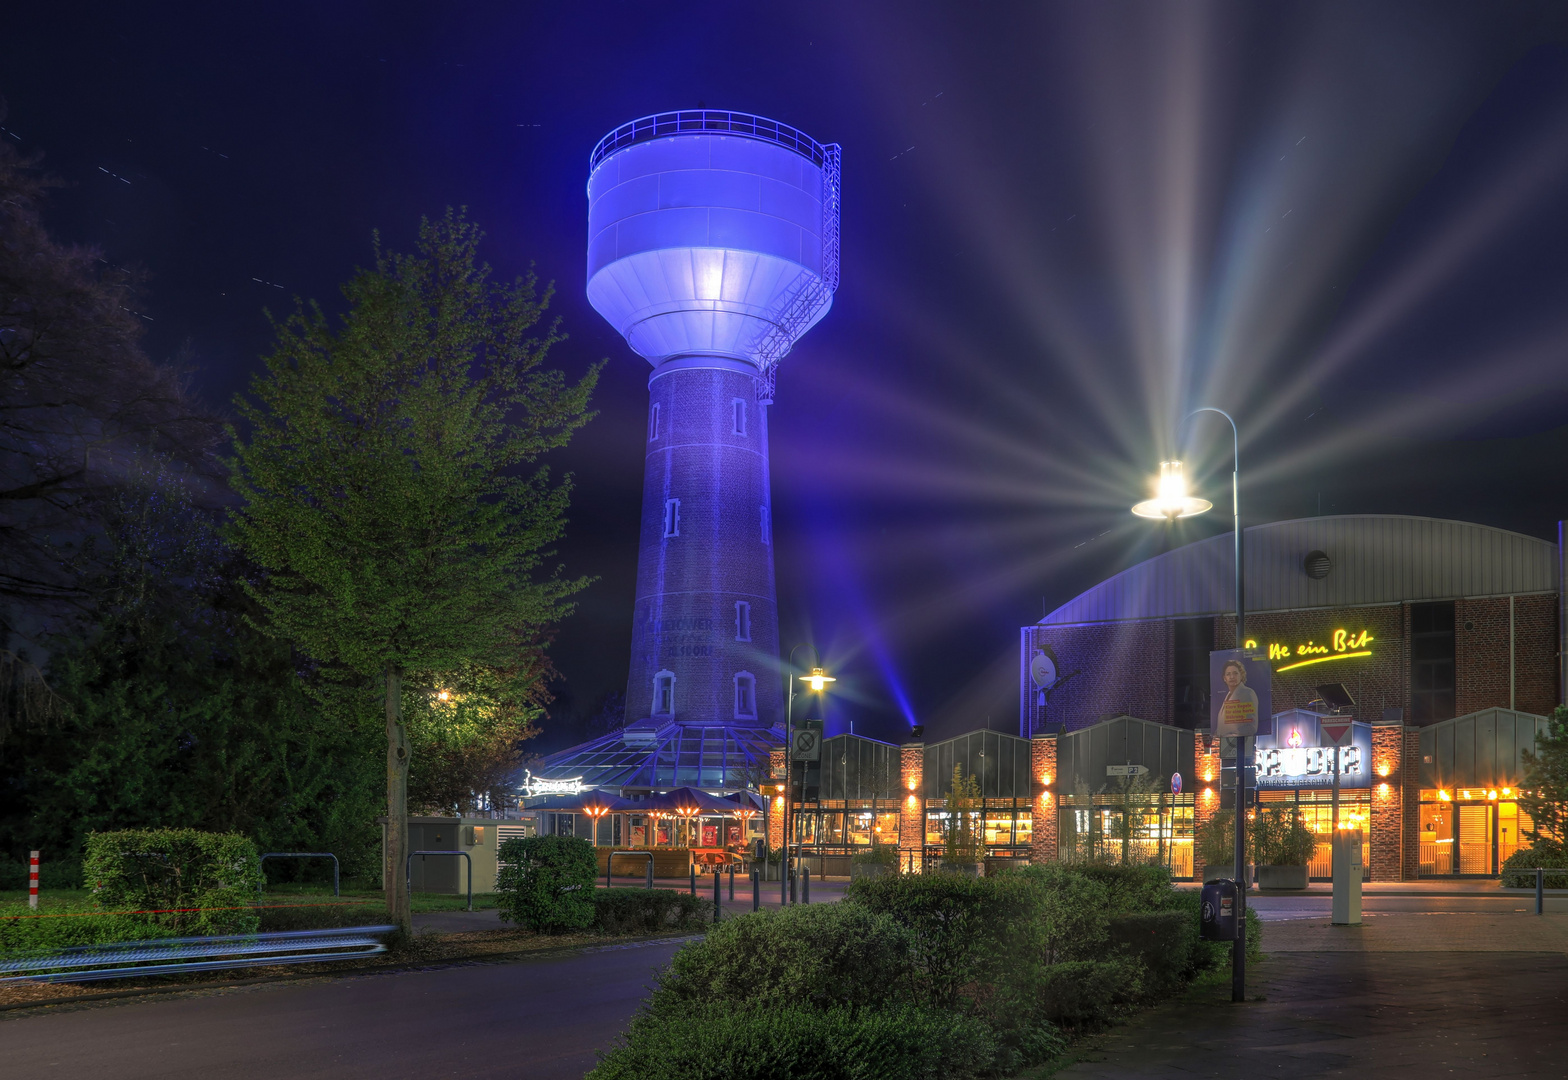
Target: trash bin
1219,911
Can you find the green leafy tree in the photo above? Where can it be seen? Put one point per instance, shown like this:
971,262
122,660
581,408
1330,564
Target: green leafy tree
1544,794
963,841
391,486
546,883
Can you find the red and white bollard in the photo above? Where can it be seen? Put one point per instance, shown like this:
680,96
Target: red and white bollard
32,880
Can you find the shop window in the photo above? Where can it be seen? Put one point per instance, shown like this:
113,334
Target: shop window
745,696
1432,662
742,621
664,694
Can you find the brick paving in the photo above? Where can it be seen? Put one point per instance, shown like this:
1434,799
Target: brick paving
1402,995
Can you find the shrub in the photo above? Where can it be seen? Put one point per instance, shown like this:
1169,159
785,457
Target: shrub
630,911
184,881
1280,837
961,928
1544,854
1215,840
1088,993
1127,887
717,1042
1071,913
24,936
546,883
818,956
1162,942
877,855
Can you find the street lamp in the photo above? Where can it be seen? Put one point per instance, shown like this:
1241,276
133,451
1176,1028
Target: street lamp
1171,502
816,680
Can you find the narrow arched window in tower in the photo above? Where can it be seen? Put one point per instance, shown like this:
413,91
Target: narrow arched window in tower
664,694
672,517
740,415
653,421
745,696
742,621
767,526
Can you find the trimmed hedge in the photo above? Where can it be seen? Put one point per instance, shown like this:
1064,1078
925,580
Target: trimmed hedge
546,883
1164,944
819,956
719,1042
630,911
23,936
1544,854
183,881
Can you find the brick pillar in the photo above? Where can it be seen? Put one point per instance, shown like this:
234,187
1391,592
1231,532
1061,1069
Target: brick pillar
1388,811
912,811
776,801
1206,782
1410,796
1043,781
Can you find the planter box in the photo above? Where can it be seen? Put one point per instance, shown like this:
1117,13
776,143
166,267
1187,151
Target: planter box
1282,877
1227,871
973,869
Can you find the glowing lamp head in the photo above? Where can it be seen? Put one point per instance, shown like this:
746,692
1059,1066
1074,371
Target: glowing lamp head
1171,500
444,695
817,679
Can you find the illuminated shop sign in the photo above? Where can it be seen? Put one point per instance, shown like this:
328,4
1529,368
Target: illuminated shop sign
1341,645
1292,758
536,786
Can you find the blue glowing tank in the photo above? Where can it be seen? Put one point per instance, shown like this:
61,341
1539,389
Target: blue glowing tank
712,247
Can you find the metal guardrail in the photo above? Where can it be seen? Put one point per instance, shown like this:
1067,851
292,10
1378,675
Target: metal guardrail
304,855
409,870
174,955
722,121
645,854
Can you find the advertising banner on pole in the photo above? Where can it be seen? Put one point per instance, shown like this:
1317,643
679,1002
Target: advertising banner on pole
1239,692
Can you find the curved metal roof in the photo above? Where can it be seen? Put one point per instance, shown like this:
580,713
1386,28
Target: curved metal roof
1376,559
713,756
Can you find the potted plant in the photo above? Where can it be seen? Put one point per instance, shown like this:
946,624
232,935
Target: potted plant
963,848
880,859
1215,844
1282,845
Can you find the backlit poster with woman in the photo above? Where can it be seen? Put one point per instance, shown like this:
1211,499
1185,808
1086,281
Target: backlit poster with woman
1239,692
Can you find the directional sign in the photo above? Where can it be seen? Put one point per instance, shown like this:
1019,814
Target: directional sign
1125,770
1336,730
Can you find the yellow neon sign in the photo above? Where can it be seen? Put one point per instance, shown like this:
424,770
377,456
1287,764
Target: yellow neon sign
1324,659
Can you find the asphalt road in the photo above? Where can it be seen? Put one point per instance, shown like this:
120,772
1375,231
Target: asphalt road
1276,908
540,1019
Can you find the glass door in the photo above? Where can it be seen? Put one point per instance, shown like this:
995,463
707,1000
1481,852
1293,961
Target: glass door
1437,838
1475,838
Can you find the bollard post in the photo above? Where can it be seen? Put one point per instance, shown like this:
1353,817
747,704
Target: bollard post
805,884
694,879
32,880
732,881
650,870
715,894
783,885
756,888
607,861
1540,889
792,886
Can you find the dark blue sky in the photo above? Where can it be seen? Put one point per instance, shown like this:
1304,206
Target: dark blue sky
1063,226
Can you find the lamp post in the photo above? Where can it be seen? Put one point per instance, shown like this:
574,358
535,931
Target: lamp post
817,680
1172,502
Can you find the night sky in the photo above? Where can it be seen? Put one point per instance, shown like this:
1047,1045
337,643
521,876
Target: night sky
1064,227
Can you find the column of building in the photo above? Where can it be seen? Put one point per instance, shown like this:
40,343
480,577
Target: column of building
1206,751
912,811
1042,760
1388,809
775,793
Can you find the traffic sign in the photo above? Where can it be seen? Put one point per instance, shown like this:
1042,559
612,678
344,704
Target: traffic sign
1336,730
808,745
1126,770
1175,783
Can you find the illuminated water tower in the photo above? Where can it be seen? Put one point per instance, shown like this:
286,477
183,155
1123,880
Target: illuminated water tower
712,247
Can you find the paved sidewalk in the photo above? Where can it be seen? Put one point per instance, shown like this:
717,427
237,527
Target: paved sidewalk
1403,995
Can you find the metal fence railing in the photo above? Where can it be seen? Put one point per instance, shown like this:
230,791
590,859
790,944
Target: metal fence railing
131,959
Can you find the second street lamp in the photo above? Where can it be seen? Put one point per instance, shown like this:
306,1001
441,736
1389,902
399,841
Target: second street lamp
1171,501
816,680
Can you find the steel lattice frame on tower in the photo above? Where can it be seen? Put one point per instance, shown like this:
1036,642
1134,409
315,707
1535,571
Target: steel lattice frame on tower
712,247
